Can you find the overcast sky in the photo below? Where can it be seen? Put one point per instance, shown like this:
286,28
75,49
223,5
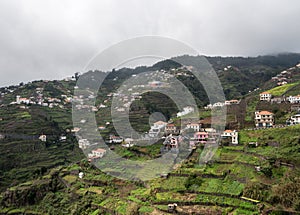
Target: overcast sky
52,39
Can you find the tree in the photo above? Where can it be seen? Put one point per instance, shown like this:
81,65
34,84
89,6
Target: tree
192,180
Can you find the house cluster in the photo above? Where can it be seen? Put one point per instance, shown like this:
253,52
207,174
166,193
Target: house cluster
194,134
113,139
125,100
222,104
282,78
6,90
126,95
157,128
265,119
285,76
39,99
81,104
268,97
199,134
202,136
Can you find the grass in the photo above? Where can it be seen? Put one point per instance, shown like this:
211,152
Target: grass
174,183
282,135
239,156
221,186
97,190
70,178
225,200
146,209
96,212
239,211
280,90
171,196
250,109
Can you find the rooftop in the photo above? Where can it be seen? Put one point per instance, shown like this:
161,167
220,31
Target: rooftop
264,93
264,112
99,150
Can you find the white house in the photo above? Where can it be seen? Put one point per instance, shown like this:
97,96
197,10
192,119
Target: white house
159,124
156,128
264,119
233,134
115,139
43,138
231,102
75,130
294,99
20,100
63,138
218,104
80,175
97,153
83,143
186,110
294,120
194,126
265,96
154,132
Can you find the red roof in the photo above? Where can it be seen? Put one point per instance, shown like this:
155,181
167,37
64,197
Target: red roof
228,131
171,125
264,112
265,93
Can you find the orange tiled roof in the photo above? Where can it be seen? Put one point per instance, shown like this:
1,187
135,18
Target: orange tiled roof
264,112
170,125
228,131
264,93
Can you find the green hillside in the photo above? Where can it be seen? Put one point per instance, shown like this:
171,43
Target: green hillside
39,177
281,90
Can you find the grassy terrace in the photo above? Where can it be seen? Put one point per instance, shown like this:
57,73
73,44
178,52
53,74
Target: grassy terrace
287,138
280,90
193,193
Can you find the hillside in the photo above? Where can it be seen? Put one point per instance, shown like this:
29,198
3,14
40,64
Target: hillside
42,176
221,187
